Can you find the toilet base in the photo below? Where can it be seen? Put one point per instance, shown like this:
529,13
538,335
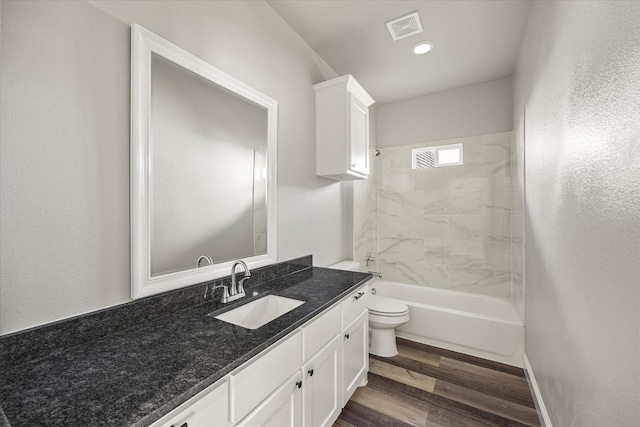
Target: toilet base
383,342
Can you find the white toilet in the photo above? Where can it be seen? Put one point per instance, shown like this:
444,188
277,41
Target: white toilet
385,315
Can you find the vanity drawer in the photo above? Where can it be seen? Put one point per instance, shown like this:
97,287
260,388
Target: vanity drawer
210,407
252,384
353,305
320,331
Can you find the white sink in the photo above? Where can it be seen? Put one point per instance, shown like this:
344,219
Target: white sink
260,312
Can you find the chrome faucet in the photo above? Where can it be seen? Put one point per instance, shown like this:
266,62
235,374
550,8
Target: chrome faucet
204,258
238,289
235,290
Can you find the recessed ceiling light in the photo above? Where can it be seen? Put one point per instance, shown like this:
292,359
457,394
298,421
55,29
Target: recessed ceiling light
422,48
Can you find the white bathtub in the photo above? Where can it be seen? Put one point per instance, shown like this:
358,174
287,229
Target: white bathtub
478,325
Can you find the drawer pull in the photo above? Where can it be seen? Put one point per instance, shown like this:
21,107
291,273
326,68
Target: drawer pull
299,384
346,336
183,425
310,372
360,294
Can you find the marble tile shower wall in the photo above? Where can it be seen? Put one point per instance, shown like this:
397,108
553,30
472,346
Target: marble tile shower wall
446,227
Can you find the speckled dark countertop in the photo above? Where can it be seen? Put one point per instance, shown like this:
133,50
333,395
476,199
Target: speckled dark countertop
138,374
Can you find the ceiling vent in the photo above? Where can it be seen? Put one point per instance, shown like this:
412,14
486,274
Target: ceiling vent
405,26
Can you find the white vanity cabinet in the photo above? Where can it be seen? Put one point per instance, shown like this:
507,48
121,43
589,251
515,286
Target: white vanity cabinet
208,408
305,379
342,129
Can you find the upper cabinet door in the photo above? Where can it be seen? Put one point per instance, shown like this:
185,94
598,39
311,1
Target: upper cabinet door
342,129
359,135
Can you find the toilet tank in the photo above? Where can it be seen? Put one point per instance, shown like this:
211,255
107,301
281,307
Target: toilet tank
346,265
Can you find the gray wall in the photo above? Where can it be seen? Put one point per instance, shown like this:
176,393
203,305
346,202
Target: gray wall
479,109
65,142
578,78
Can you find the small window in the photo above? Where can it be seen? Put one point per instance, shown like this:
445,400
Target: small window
435,157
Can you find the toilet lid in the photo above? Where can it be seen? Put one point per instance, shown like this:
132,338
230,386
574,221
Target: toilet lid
388,306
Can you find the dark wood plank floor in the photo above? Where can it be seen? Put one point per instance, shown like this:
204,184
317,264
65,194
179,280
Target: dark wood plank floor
429,386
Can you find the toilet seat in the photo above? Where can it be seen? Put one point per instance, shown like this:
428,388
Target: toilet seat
381,306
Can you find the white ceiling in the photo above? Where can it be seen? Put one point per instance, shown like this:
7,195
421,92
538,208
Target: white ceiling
474,41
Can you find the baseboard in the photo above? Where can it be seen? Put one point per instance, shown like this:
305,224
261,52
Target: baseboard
535,391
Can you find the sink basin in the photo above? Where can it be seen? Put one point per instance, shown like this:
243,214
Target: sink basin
260,312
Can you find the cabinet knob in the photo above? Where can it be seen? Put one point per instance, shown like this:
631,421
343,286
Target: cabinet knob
299,384
346,336
310,372
360,294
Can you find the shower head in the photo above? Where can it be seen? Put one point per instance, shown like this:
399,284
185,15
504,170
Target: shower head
375,150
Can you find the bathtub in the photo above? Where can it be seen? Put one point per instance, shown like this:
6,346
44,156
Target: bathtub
478,325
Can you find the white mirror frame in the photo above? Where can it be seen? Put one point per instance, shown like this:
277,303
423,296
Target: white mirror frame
143,44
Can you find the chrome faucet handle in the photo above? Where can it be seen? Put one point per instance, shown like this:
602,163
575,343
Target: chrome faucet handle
225,292
369,259
225,295
241,283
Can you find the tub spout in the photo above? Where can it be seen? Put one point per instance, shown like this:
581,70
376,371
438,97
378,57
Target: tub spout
376,273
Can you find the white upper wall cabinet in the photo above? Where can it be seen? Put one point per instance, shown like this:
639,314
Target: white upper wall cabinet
342,129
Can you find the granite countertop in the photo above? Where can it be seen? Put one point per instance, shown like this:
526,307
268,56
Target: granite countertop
135,376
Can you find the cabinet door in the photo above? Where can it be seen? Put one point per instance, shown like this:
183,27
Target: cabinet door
355,355
210,408
322,391
282,408
358,135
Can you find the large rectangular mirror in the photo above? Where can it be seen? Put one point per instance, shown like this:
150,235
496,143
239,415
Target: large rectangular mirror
202,169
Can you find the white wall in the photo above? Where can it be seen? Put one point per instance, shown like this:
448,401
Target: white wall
578,78
65,142
479,109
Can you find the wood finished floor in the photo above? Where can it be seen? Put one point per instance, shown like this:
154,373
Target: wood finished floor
429,386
